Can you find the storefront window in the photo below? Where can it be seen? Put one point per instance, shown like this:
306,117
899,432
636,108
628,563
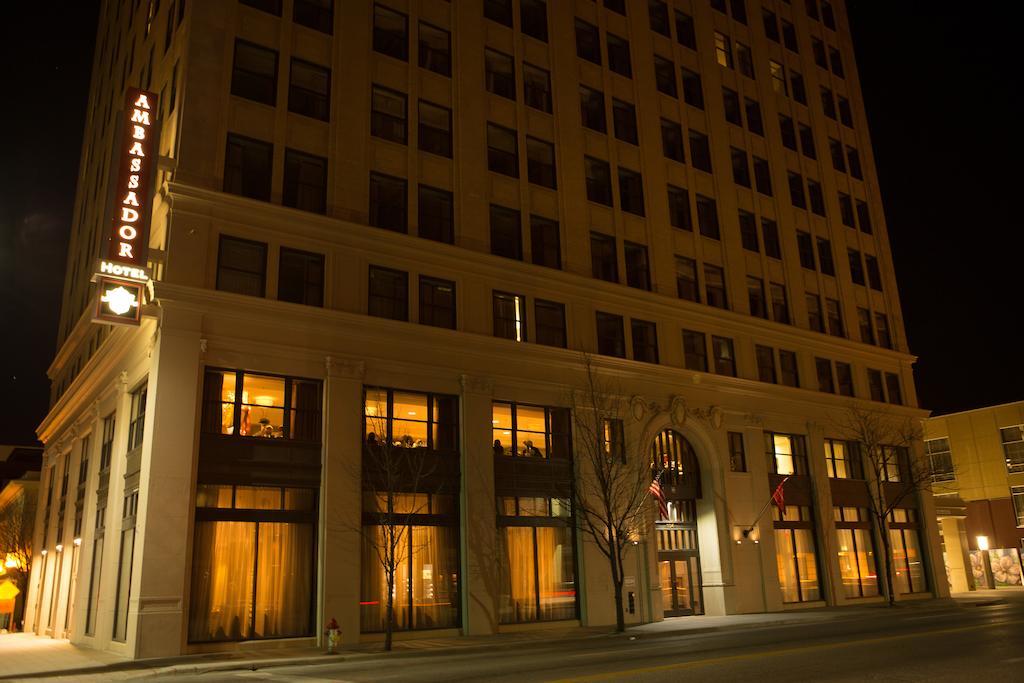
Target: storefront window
908,563
796,555
856,552
262,406
408,419
529,431
538,577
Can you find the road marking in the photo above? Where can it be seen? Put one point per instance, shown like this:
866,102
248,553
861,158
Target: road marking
777,653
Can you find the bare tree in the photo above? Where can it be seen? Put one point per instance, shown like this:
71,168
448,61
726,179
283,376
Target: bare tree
613,476
895,470
16,542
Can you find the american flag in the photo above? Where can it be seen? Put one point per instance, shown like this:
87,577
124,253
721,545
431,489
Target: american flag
659,495
779,498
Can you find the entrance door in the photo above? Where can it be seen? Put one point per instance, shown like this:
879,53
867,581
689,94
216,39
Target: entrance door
680,586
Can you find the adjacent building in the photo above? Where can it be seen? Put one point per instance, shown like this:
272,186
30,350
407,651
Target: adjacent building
978,463
400,225
19,490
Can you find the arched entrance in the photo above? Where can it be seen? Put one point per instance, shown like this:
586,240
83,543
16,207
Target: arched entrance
678,554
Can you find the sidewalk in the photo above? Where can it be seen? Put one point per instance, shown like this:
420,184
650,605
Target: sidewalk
26,656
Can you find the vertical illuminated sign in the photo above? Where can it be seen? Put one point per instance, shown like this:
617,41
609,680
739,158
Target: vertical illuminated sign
121,274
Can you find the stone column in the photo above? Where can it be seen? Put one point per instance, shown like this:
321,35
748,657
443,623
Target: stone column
958,570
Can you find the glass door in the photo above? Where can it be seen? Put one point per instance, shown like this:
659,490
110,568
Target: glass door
680,586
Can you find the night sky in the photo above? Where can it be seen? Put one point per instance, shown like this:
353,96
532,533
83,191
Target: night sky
944,106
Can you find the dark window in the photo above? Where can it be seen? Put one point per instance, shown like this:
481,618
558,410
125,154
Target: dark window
892,387
700,151
695,351
242,266
624,119
537,87
540,162
770,235
550,322
499,11
533,18
828,103
672,141
853,160
645,341
815,319
762,176
588,42
631,191
388,293
305,181
737,453
435,129
301,277
707,217
714,286
828,17
835,318
686,279
247,167
874,274
789,36
828,267
748,232
867,333
435,49
744,60
618,56
788,132
592,109
765,356
316,14
807,142
436,215
882,326
437,302
740,167
603,259
754,122
816,197
864,217
731,100
725,359
818,49
780,303
738,9
856,266
254,75
509,316
309,90
679,208
545,245
835,60
875,385
599,180
502,150
789,375
390,33
506,232
638,272
845,113
657,15
805,247
388,117
616,6
823,368
798,89
693,92
755,297
686,35
611,340
269,6
499,70
388,202
835,149
665,76
796,190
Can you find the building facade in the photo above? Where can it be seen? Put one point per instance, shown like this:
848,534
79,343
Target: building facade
19,492
978,460
401,225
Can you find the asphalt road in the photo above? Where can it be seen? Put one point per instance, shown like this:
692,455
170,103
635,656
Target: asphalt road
902,644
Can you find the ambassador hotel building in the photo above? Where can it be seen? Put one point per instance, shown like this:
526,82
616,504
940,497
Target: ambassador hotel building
404,223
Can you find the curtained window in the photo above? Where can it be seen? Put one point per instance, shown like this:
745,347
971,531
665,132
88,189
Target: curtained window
908,563
262,406
796,555
856,550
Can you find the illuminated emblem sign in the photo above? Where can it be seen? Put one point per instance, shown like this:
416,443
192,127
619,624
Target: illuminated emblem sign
122,274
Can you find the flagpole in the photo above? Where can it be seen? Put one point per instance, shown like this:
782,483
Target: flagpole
771,499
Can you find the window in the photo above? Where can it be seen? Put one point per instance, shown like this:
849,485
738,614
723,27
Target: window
672,141
537,571
301,277
533,18
789,373
723,50
435,49
892,388
499,71
725,359
748,232
645,341
826,382
610,336
770,235
242,266
882,327
771,25
762,177
613,439
136,427
506,232
436,215
618,56
309,90
254,73
244,404
592,109
537,88
388,203
856,266
588,42
305,181
827,16
435,129
755,297
765,356
780,303
665,76
805,247
825,257
631,191
874,274
545,244
388,294
835,61
1013,448
125,564
744,60
390,33
637,269
737,453
714,286
107,444
707,217
603,259
499,11
778,75
787,454
807,141
695,351
844,378
789,36
856,552
816,197
845,113
270,6
834,317
616,6
796,555
247,167
754,122
540,162
815,319
502,150
686,35
864,217
599,180
940,459
840,460
828,103
731,100
509,316
657,15
796,82
679,208
693,92
549,318
853,161
818,49
388,119
875,385
788,132
624,119
700,151
686,279
846,210
1017,494
437,302
796,190
867,334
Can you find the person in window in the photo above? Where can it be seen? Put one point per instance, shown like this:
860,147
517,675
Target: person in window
371,439
498,448
529,450
407,442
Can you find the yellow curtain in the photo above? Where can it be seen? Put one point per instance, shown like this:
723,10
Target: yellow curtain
222,576
519,592
555,579
283,580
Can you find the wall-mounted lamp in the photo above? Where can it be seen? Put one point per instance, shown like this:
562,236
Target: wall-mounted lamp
982,542
78,541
